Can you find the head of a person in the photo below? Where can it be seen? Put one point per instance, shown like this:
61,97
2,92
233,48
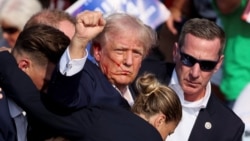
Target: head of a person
198,55
158,104
37,50
121,46
56,18
13,16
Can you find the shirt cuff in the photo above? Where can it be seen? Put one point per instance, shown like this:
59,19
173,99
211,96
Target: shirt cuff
70,66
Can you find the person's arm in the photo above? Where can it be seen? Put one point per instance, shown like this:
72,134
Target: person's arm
5,49
18,86
227,6
63,90
88,25
176,14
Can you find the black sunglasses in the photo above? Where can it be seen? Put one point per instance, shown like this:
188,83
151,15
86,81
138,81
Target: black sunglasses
9,30
205,65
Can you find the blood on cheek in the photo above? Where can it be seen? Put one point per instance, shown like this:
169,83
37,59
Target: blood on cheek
117,64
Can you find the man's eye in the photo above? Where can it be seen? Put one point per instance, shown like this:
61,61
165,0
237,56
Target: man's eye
119,51
170,133
138,53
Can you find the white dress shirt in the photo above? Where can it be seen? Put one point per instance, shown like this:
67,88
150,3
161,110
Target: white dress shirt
70,66
190,111
126,95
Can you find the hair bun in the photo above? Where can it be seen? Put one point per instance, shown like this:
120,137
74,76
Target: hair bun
147,84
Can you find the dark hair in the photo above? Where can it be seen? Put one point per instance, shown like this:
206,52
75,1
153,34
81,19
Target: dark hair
202,28
42,43
155,97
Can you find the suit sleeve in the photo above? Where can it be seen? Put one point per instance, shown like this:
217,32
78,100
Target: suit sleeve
71,92
63,92
18,86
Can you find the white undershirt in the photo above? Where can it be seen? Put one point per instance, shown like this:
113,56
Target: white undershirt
190,111
126,95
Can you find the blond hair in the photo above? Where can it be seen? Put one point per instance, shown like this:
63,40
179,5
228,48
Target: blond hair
155,97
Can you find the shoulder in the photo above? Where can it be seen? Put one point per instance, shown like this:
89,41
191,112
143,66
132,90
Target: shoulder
91,70
223,113
223,123
126,125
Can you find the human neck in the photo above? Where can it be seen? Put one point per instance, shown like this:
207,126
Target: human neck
193,97
121,88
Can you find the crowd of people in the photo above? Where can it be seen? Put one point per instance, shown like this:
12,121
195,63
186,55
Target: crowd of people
136,89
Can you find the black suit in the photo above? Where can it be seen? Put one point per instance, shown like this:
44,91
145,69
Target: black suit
88,87
7,126
36,129
226,125
104,123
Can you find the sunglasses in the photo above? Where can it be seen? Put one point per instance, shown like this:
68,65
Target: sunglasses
205,65
9,30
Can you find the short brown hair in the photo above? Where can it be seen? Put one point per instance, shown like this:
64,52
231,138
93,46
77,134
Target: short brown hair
202,28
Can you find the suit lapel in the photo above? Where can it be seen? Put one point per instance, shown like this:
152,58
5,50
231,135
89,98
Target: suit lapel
132,92
203,127
169,71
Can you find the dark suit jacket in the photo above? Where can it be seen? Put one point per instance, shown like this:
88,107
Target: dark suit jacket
97,123
7,126
9,67
226,125
88,87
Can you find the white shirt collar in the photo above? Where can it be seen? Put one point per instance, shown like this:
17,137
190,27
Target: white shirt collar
126,95
14,109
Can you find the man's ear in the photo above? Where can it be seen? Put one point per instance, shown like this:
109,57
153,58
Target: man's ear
175,51
96,50
219,64
24,64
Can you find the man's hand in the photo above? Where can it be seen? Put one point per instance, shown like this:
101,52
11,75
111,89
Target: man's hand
174,17
176,14
88,25
5,49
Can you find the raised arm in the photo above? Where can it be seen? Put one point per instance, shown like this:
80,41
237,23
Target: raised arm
88,25
63,90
